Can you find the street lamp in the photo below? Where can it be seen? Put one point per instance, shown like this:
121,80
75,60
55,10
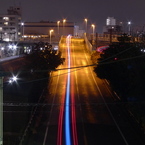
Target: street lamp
86,21
22,24
50,34
13,79
64,20
93,26
129,27
58,22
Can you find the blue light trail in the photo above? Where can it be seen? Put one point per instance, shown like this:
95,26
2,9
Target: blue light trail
67,106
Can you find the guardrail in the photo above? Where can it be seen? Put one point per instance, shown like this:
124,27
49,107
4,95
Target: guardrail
89,46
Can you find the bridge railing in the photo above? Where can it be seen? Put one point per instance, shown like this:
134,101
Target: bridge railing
88,45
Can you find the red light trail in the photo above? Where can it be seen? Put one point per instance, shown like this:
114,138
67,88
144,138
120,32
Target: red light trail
67,115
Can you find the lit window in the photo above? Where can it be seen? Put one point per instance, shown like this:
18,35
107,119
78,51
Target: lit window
19,33
6,18
5,23
108,21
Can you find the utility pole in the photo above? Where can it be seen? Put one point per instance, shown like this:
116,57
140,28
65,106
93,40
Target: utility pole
1,110
110,30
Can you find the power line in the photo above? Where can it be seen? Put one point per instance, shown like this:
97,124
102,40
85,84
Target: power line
78,68
61,104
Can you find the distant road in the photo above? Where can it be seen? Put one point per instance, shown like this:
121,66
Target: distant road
79,108
12,63
9,58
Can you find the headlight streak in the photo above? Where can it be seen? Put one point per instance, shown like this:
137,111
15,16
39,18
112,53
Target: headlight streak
60,135
67,107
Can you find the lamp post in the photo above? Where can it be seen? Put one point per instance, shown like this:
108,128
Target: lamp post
58,22
129,27
64,20
86,21
50,32
110,31
22,24
93,26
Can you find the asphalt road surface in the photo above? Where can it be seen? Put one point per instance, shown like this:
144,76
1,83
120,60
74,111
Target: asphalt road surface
78,107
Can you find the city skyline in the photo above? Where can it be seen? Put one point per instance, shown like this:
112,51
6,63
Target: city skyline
76,11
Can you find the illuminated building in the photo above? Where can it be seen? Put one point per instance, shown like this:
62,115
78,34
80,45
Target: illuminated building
113,25
110,21
10,24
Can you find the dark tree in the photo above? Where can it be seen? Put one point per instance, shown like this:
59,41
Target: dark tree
123,65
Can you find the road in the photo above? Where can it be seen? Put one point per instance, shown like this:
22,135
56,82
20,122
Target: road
78,107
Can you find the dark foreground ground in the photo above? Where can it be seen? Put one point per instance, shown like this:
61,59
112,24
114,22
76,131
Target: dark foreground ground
20,99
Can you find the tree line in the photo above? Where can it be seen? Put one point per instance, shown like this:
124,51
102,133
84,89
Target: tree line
123,65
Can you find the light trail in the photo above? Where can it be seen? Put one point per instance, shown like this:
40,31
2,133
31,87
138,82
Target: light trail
67,113
61,117
67,102
74,130
73,111
60,122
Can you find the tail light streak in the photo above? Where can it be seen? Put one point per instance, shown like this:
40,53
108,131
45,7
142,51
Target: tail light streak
74,130
60,122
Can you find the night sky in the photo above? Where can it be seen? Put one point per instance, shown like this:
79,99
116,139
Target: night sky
96,11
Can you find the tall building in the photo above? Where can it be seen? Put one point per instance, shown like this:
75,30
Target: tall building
10,24
110,21
113,26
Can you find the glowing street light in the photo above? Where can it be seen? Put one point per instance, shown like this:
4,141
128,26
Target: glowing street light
50,32
129,27
93,26
64,20
13,79
22,24
86,21
58,22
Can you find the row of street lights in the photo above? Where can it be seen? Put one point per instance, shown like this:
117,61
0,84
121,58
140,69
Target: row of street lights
86,27
93,26
63,25
58,25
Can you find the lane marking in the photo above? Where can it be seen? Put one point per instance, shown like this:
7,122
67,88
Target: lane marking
108,107
48,123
